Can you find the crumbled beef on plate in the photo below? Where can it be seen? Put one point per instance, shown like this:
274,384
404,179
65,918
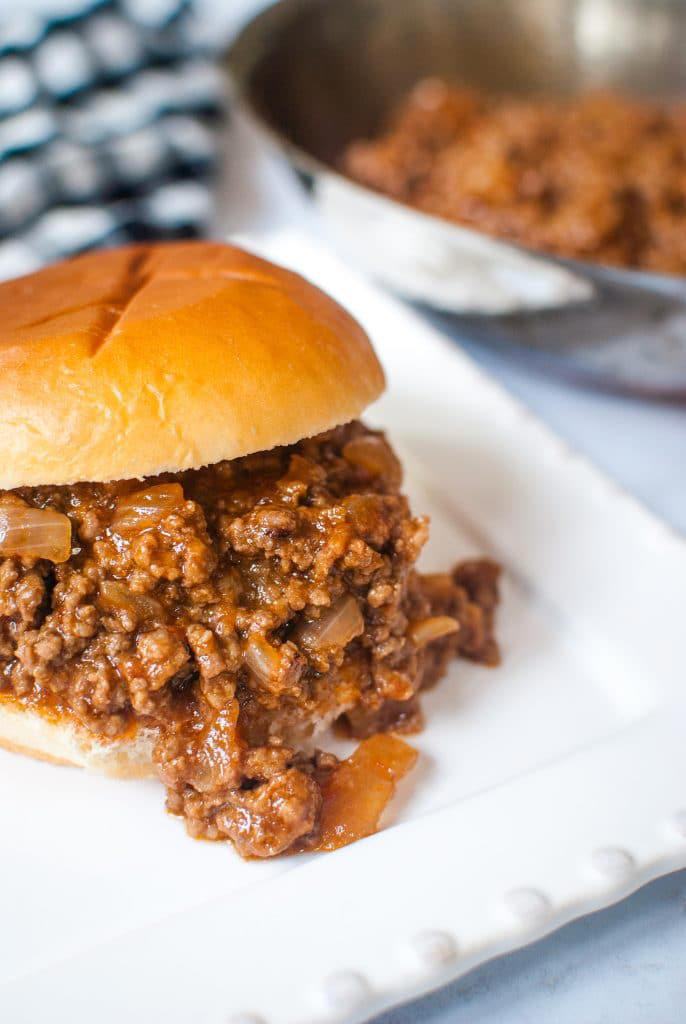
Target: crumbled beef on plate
238,610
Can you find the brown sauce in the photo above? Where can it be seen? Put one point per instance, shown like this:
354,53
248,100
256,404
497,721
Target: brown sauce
237,610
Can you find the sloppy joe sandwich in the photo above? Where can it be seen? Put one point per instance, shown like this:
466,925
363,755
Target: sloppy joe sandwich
206,559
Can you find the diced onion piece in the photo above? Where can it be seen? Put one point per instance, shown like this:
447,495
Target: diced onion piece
262,659
373,455
358,789
142,509
34,532
336,627
424,631
116,596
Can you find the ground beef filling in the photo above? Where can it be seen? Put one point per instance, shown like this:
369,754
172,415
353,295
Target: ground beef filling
598,177
236,610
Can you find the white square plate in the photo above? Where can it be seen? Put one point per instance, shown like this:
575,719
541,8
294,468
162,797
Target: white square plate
547,788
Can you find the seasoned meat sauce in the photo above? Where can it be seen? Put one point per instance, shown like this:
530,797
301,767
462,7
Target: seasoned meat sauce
237,609
599,177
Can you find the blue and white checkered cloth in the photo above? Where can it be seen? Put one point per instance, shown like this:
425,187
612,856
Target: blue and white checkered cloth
109,126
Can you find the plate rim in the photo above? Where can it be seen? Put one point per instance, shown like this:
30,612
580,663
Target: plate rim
426,949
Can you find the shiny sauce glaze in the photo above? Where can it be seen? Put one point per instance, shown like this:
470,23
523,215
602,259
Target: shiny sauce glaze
237,611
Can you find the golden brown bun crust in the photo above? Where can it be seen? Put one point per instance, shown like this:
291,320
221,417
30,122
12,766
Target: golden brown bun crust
134,361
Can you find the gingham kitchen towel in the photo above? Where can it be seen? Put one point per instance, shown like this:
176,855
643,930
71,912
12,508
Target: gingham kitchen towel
109,126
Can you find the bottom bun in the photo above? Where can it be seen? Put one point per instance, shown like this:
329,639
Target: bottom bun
25,731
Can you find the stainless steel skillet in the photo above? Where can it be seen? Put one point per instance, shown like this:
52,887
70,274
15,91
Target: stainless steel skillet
316,74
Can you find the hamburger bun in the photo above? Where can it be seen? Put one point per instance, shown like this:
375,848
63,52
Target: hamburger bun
129,362
24,730
158,358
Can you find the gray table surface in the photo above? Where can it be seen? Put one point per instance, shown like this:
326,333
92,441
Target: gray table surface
628,963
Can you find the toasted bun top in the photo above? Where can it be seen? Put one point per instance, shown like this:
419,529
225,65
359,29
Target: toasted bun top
147,359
